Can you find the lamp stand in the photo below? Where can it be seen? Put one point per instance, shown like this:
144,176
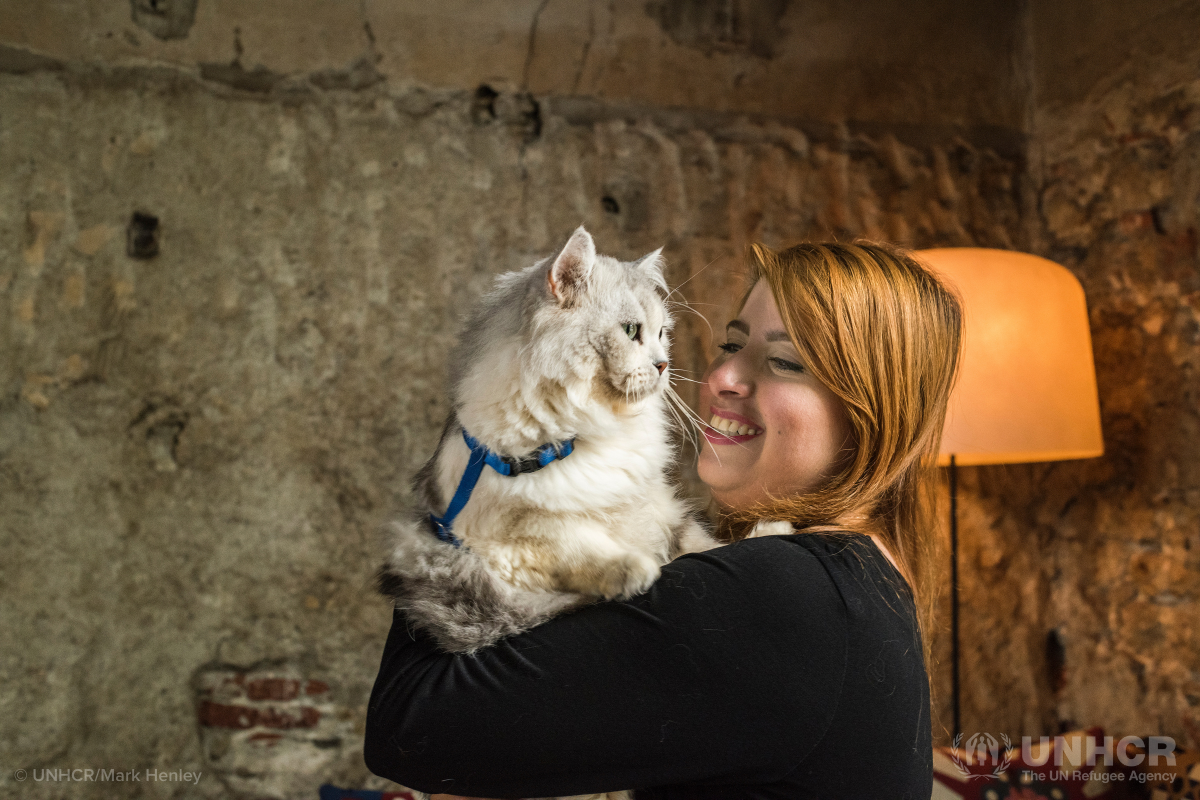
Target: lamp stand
954,681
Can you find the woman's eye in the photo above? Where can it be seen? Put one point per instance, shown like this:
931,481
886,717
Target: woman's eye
784,365
729,348
633,330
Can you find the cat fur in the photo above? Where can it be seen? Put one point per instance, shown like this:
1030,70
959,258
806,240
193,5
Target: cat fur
545,358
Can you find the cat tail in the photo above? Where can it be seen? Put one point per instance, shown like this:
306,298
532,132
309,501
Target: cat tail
450,593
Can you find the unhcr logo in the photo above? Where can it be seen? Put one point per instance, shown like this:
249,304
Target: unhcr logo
1075,756
982,750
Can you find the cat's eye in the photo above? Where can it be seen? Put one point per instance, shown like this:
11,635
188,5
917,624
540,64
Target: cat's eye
633,330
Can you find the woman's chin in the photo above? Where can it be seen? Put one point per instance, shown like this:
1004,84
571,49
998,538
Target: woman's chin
735,499
722,477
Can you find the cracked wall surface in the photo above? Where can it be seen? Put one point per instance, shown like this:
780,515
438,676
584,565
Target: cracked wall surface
817,60
232,264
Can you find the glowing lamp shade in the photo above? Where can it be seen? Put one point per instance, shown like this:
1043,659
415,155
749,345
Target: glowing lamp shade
1026,389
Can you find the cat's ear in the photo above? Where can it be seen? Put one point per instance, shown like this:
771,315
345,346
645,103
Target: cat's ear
568,276
652,265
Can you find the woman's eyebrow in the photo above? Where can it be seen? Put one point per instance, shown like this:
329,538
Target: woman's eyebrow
737,324
777,336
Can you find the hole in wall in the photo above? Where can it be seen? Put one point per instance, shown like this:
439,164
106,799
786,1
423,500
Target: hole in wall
165,19
141,237
483,107
632,210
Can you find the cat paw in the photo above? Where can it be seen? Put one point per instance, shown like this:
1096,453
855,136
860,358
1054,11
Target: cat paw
628,576
692,537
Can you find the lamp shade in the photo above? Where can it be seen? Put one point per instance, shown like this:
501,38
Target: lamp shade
1026,389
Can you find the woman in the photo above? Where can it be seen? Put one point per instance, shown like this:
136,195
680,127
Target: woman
789,665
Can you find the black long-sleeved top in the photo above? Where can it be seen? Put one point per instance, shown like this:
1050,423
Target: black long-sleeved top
776,667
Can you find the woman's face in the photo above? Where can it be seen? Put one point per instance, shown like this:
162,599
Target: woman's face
772,427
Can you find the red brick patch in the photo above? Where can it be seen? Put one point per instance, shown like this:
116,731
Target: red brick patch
219,715
273,689
272,731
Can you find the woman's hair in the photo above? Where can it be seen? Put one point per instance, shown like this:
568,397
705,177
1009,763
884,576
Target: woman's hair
882,333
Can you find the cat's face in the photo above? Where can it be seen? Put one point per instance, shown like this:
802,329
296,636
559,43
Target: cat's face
628,328
608,321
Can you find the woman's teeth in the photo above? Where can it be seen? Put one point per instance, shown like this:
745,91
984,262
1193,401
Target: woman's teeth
732,427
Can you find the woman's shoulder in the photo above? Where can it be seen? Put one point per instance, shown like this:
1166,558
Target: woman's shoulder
789,574
834,551
878,600
811,569
760,589
790,559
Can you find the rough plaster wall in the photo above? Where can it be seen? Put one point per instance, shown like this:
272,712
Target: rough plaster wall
1082,579
196,449
941,61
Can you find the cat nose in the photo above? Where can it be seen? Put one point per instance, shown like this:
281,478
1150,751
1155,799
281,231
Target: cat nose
661,366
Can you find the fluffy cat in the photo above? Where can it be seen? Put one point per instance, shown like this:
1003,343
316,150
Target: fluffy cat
566,360
561,377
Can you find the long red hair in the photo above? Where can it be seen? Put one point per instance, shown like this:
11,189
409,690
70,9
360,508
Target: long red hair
883,333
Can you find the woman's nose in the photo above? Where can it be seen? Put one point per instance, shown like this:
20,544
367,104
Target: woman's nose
728,378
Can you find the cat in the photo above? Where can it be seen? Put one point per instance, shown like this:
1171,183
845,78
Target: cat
548,488
562,378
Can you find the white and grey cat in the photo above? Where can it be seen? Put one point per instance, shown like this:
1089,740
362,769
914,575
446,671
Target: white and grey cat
566,360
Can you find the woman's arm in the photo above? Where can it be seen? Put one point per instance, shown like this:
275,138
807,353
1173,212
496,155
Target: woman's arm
728,670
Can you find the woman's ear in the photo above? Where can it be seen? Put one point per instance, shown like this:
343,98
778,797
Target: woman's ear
568,276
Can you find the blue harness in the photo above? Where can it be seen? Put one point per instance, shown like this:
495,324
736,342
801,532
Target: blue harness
505,465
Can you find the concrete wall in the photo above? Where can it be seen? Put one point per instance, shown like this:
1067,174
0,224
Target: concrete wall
197,447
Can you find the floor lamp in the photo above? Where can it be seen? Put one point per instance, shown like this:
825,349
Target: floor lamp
1026,389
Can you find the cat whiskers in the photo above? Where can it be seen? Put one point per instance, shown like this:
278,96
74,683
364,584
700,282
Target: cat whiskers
688,307
686,419
678,373
697,274
682,424
690,423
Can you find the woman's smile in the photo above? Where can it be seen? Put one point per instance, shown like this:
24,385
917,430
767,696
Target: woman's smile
726,427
